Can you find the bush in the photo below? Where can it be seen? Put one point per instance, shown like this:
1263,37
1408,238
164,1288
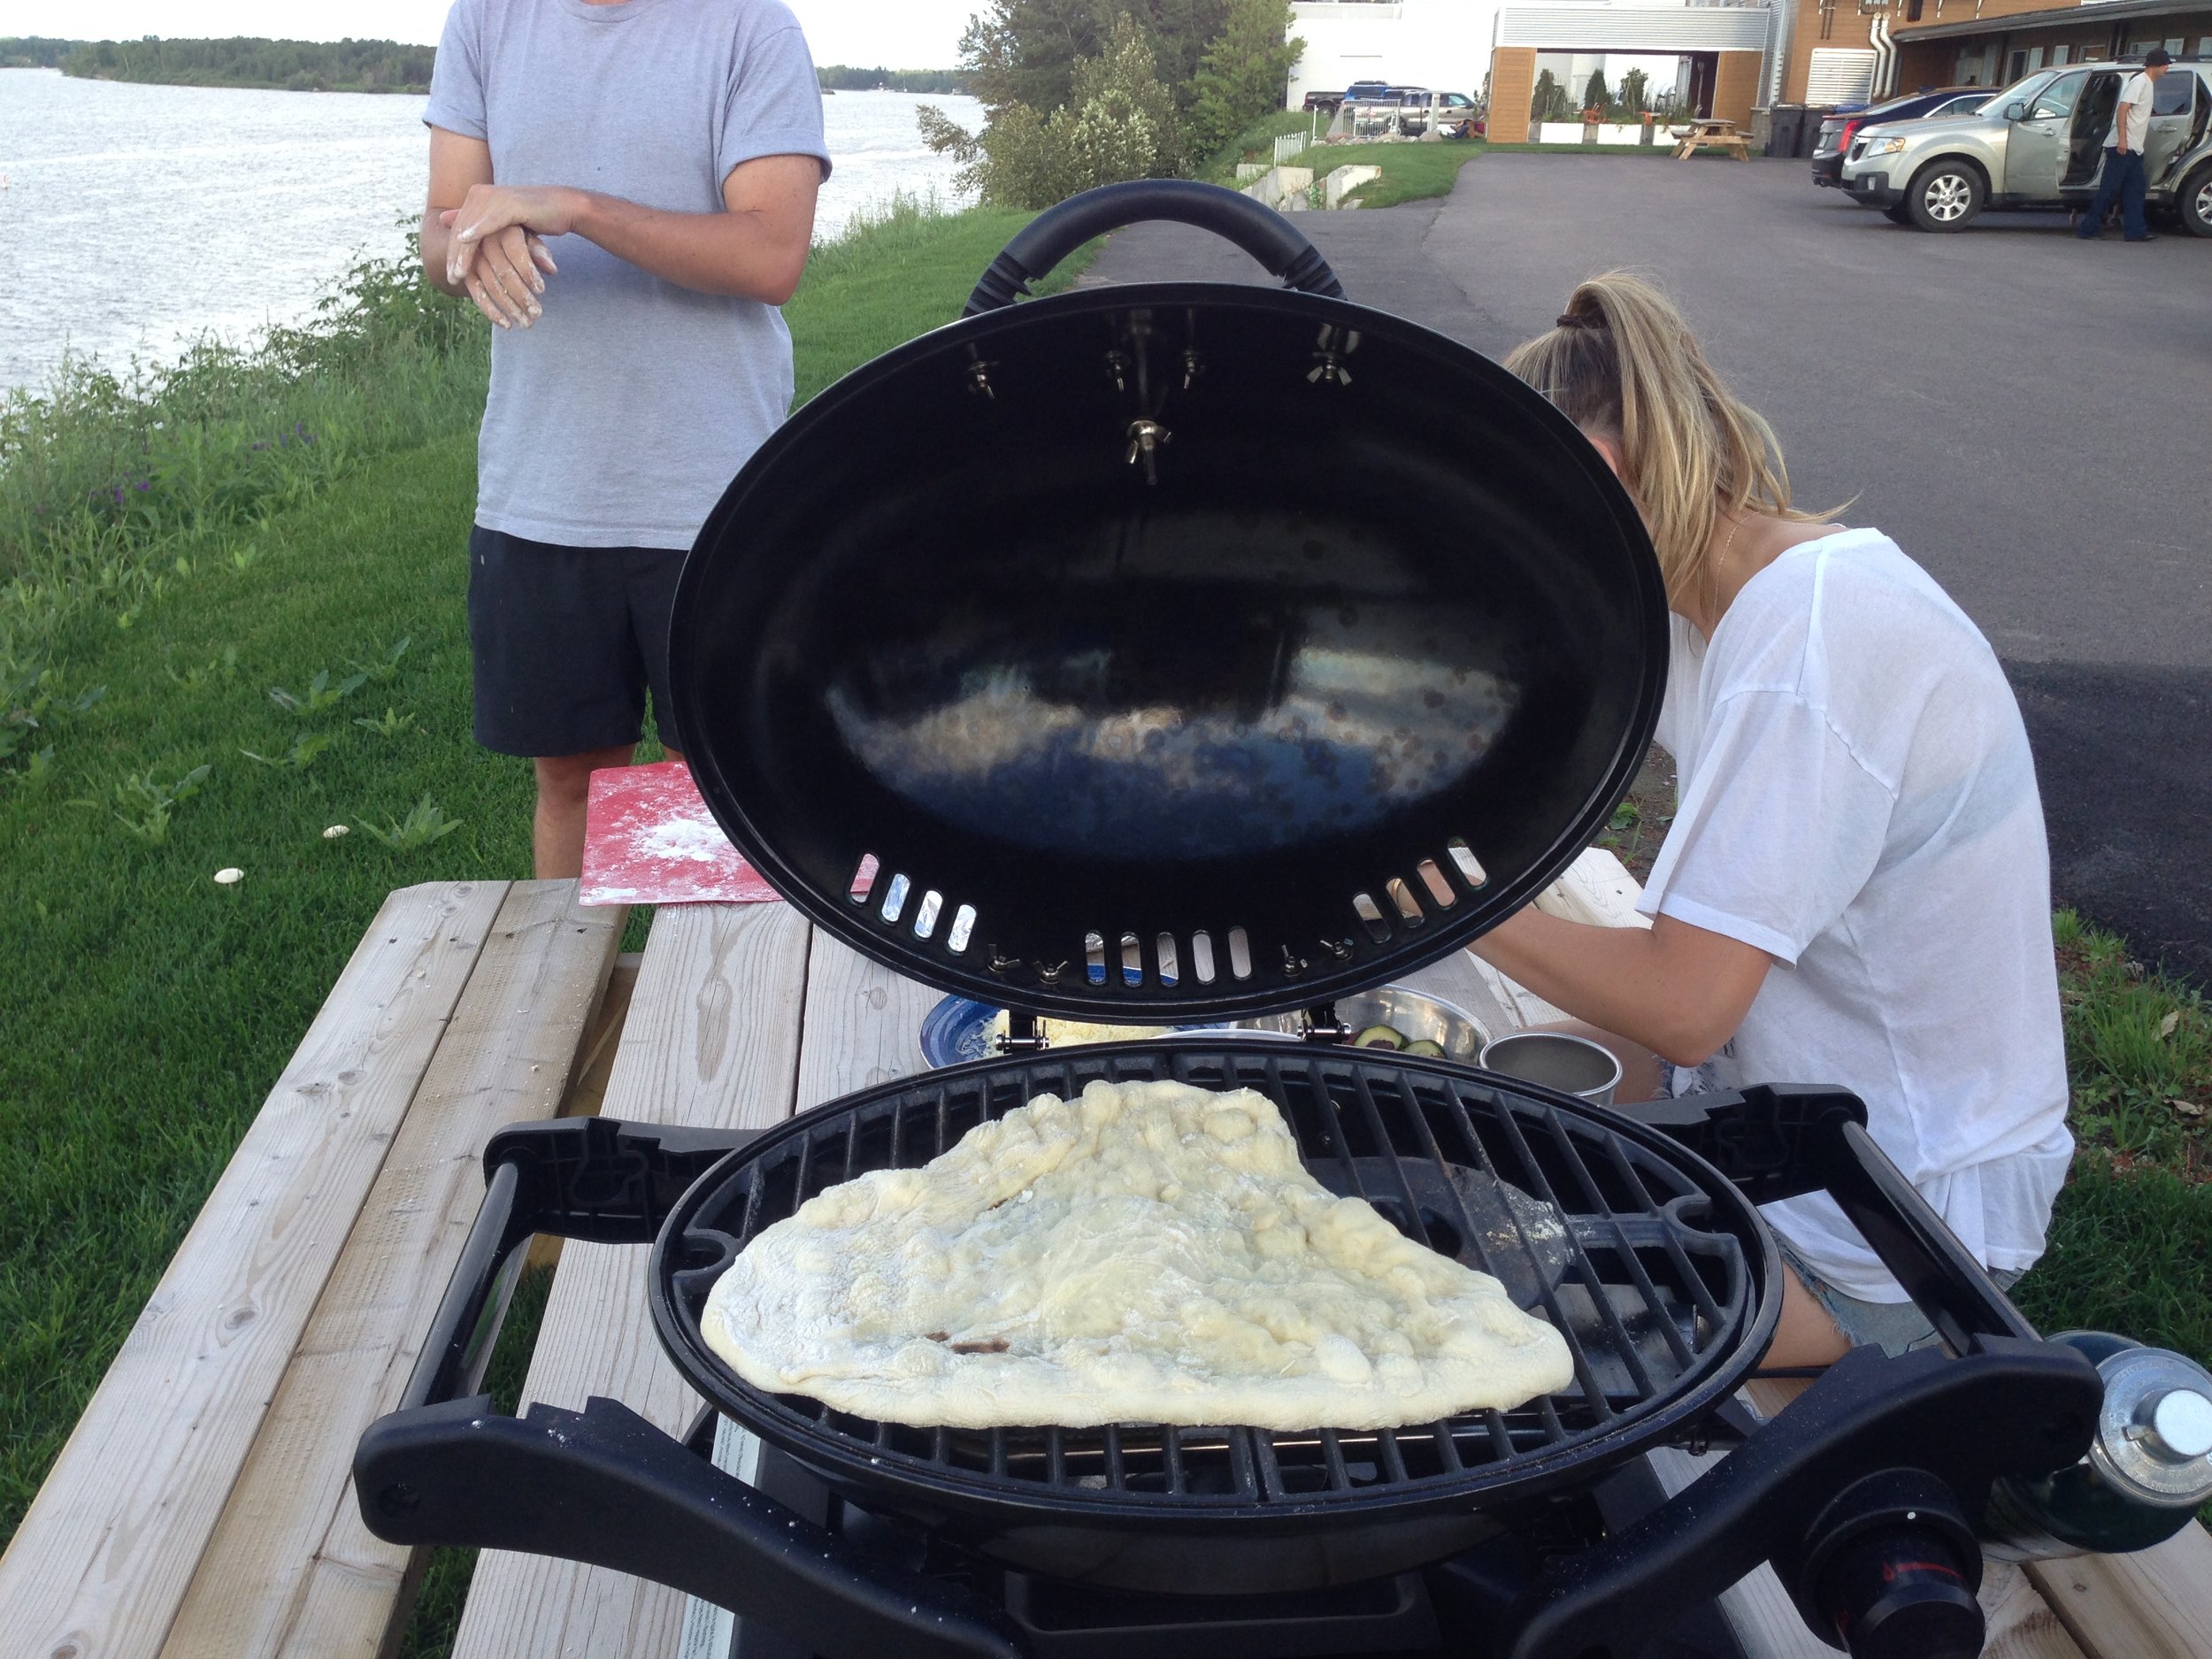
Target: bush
1119,123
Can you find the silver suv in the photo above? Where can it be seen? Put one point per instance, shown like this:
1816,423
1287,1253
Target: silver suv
2038,145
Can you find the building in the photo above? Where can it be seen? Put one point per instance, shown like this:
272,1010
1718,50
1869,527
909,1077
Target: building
1441,44
1719,55
1724,59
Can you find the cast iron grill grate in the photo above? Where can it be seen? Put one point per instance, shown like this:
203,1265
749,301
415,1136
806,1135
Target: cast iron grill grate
1605,1237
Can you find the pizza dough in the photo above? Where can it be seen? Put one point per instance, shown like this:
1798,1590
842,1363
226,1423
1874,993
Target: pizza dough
1147,1253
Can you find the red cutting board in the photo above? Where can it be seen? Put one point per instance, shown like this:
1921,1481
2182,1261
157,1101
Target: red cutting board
649,839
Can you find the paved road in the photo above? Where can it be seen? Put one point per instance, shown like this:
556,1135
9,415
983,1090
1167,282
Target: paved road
2028,415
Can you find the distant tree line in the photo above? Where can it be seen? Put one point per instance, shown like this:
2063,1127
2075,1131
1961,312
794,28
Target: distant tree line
33,52
286,65
846,78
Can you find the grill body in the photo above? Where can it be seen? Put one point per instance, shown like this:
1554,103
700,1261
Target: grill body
1652,1264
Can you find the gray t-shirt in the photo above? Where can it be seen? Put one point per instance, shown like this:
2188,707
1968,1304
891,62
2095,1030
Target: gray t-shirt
619,418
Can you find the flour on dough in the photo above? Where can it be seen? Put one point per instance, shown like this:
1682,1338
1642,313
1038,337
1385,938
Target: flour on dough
1147,1253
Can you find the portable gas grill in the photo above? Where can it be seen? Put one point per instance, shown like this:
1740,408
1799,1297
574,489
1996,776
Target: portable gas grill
1019,664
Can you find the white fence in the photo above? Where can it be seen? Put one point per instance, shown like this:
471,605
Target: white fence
1288,146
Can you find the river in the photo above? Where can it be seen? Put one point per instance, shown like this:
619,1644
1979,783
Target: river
135,217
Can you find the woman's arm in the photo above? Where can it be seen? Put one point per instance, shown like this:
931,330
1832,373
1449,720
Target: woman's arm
1680,990
755,248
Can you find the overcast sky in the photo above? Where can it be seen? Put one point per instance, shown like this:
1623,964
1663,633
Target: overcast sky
897,33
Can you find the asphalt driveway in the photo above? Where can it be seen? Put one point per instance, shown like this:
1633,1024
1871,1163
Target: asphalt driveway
2026,414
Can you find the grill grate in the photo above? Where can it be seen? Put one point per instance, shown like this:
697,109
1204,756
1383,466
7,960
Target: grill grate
1649,1297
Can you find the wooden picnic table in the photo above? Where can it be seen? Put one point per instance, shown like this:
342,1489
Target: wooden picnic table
1704,134
204,1509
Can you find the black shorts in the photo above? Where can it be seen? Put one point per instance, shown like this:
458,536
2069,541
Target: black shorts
567,642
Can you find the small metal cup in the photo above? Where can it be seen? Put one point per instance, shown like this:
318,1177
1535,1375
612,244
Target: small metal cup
1573,1065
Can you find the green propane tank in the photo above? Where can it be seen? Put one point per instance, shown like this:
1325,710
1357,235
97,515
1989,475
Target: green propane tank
2145,1474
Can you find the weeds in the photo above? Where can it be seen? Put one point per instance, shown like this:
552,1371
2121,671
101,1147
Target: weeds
116,487
320,693
223,668
142,804
393,725
385,666
301,755
423,824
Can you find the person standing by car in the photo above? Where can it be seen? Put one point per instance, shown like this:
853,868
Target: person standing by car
2124,173
675,148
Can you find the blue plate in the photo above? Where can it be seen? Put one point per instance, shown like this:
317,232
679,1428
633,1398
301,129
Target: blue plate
958,1029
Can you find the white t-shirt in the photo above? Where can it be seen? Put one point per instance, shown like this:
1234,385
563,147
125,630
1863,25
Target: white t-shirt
2134,113
1857,800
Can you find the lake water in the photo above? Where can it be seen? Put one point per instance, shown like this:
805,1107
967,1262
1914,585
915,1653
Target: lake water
137,218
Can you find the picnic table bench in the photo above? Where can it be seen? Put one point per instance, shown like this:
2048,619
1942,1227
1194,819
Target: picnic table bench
1710,135
202,1509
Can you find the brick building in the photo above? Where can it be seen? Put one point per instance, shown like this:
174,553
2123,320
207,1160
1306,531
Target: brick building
1851,51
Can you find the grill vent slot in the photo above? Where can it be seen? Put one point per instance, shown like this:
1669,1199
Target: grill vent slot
926,917
962,929
1370,918
1239,953
1463,860
1170,964
895,898
1202,957
1440,889
1094,958
1409,906
1131,960
864,877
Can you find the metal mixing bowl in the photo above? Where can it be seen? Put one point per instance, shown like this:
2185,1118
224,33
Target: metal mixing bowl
1416,1013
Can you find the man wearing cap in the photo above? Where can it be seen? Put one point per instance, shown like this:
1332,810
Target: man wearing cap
2124,173
669,152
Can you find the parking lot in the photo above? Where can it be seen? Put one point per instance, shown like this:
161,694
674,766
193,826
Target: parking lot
2025,413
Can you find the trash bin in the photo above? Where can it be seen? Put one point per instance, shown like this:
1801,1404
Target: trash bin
1785,130
1809,134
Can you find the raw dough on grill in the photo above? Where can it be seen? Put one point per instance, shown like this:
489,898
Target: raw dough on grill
1149,1253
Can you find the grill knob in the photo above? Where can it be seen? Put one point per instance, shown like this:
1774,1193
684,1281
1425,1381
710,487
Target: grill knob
1902,1593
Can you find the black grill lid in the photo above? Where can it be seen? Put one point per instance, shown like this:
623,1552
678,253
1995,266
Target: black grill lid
1162,653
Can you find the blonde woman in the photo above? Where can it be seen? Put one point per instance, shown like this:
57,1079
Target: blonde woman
1855,889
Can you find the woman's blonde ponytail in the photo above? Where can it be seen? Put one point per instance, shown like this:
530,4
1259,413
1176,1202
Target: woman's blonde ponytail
1622,364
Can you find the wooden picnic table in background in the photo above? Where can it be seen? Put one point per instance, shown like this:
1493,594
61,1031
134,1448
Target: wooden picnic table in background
203,1507
1704,134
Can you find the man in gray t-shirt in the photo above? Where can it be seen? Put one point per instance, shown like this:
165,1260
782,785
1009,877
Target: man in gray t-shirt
671,151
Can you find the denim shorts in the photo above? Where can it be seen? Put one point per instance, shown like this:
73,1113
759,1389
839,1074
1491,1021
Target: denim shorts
1893,1326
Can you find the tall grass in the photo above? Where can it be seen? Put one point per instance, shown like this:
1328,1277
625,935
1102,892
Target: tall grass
115,486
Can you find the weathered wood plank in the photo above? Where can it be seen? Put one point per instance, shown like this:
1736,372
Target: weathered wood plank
2154,1604
864,1023
291,1570
99,1568
712,1038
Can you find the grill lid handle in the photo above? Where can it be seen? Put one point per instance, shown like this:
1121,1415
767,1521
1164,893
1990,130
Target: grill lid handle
1059,231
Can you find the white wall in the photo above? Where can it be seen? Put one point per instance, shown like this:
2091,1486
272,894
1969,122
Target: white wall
1441,44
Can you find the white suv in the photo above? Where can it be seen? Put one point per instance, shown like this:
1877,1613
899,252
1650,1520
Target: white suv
2038,145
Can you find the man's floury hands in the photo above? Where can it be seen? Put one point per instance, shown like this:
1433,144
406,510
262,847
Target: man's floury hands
496,254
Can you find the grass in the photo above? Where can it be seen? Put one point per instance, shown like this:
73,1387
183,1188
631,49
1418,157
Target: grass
149,1008
2133,1228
